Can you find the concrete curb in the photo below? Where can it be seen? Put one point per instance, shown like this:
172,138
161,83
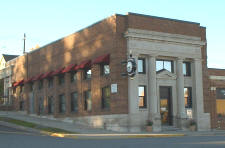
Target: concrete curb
91,136
113,135
19,127
105,136
29,130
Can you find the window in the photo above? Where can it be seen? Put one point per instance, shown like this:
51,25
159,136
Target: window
87,73
74,102
187,69
141,65
50,105
164,64
106,97
21,105
14,90
188,97
87,100
142,103
40,86
61,79
50,82
73,76
41,105
21,88
62,104
31,86
220,101
105,70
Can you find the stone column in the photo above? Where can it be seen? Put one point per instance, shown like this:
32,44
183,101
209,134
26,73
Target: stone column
181,115
202,119
153,113
133,120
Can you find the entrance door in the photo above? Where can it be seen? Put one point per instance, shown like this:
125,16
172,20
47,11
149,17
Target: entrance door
166,105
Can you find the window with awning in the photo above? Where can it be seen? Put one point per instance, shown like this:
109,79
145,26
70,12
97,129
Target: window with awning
38,77
15,84
103,61
29,80
58,71
83,65
86,66
46,75
69,68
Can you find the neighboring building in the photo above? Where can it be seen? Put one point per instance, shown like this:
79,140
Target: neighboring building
80,76
5,78
4,58
216,105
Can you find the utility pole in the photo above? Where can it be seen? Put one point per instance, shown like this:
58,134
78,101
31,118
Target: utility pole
24,42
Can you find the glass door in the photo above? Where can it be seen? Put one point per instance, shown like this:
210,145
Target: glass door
165,105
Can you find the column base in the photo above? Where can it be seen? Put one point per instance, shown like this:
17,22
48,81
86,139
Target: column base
203,122
134,122
182,122
157,124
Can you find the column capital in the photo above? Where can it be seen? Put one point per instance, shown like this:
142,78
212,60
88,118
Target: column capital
154,55
198,59
133,53
180,58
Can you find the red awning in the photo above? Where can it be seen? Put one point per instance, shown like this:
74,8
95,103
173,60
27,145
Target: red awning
69,68
83,65
58,71
14,84
102,59
18,83
47,74
76,68
29,80
38,77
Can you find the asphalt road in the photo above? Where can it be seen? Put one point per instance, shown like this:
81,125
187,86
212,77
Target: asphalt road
5,129
11,138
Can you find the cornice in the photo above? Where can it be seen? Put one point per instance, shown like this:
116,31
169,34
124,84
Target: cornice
165,37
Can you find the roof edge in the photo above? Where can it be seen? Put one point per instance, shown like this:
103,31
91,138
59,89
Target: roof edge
163,18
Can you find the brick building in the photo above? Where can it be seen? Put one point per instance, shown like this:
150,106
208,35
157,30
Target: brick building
217,96
79,76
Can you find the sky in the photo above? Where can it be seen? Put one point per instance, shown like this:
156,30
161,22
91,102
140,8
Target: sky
45,21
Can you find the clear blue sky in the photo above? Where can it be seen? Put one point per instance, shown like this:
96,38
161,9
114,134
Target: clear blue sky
45,21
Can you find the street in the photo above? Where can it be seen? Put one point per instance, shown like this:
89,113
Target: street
11,138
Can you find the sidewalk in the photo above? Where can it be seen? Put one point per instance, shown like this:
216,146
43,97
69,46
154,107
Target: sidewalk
67,124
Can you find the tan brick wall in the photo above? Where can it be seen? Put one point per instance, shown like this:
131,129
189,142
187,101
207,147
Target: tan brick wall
163,25
87,44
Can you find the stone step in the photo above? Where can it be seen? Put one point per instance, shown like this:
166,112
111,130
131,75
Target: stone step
170,128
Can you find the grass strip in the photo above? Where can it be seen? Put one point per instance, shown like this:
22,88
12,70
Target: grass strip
35,126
